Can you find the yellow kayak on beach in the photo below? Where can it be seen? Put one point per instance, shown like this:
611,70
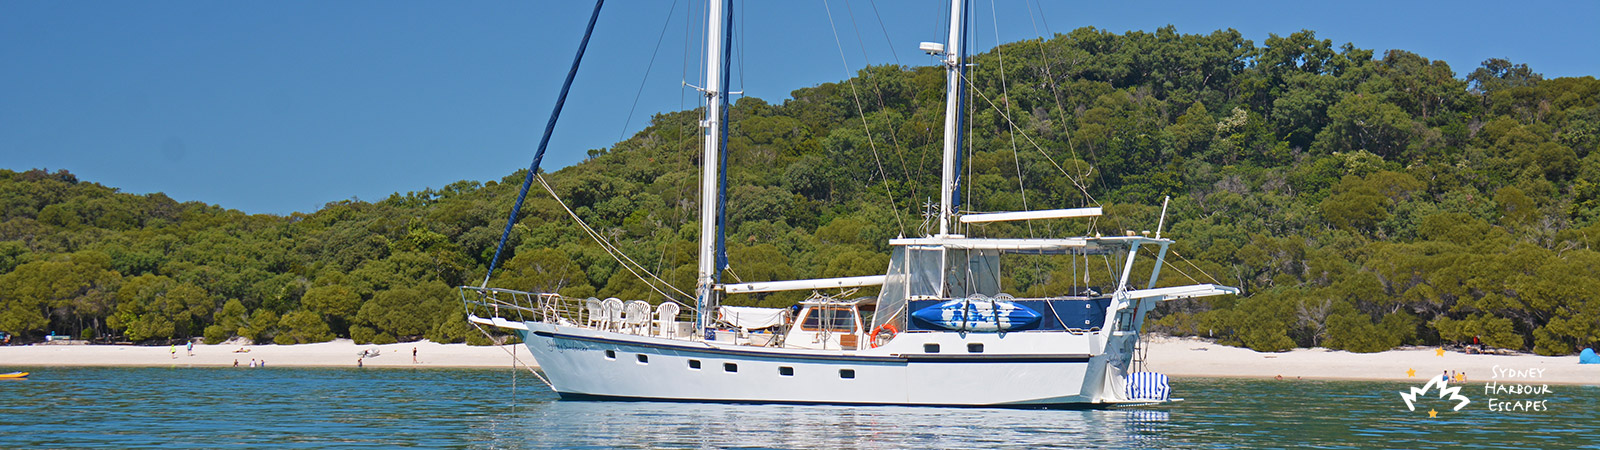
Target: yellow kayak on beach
14,375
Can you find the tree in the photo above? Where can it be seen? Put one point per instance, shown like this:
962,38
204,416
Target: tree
227,323
402,313
1363,122
157,307
74,288
1356,206
335,300
543,270
1498,74
262,327
302,327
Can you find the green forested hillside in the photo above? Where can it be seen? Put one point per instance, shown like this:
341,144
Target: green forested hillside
1362,201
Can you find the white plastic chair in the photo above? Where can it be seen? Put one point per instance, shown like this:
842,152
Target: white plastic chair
637,317
597,313
667,319
612,308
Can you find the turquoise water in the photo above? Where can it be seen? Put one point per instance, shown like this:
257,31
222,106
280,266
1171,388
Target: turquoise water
352,408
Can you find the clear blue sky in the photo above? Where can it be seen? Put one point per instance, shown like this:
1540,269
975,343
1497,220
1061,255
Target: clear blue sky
276,107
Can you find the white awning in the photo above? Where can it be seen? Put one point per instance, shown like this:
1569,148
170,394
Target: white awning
801,285
751,318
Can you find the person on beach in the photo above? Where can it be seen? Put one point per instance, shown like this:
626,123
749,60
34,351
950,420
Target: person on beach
252,362
236,362
174,350
358,362
190,348
413,355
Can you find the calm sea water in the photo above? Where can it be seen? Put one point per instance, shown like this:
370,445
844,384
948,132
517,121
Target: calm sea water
341,408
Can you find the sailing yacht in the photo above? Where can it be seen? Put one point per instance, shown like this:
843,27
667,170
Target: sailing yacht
944,329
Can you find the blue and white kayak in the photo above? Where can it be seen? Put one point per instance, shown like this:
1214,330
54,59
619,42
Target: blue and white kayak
979,314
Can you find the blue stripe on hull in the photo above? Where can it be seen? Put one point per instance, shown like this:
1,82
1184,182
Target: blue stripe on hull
616,398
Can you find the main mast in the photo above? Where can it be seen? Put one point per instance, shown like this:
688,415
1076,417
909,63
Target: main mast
952,113
711,165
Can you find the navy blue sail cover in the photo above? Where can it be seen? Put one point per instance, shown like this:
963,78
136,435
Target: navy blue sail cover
1059,314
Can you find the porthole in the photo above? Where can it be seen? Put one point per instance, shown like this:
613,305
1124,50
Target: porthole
930,348
848,374
694,364
643,359
975,347
786,371
730,367
611,354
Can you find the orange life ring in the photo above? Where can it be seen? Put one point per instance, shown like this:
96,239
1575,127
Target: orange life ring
872,338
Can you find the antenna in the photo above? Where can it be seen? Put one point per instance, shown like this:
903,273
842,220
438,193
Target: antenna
1163,220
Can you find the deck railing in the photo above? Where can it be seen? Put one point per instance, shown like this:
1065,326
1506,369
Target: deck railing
521,306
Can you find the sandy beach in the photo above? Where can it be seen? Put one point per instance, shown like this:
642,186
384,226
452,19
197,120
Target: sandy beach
337,353
1177,357
1191,357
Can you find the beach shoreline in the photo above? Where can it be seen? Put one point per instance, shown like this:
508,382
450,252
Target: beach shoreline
1199,358
336,353
1175,357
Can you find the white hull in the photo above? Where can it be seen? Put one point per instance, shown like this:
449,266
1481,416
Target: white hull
1007,373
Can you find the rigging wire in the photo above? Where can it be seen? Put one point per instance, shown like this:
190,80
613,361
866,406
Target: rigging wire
878,89
617,253
1196,268
887,192
885,30
621,135
1075,181
683,85
964,139
1055,94
514,360
1005,91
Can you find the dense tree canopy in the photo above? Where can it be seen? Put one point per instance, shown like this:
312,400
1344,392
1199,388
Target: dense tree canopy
1362,201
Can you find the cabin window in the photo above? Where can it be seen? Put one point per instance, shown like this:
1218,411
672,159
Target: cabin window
786,371
923,267
694,364
643,359
930,348
848,374
975,347
611,354
830,319
730,367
